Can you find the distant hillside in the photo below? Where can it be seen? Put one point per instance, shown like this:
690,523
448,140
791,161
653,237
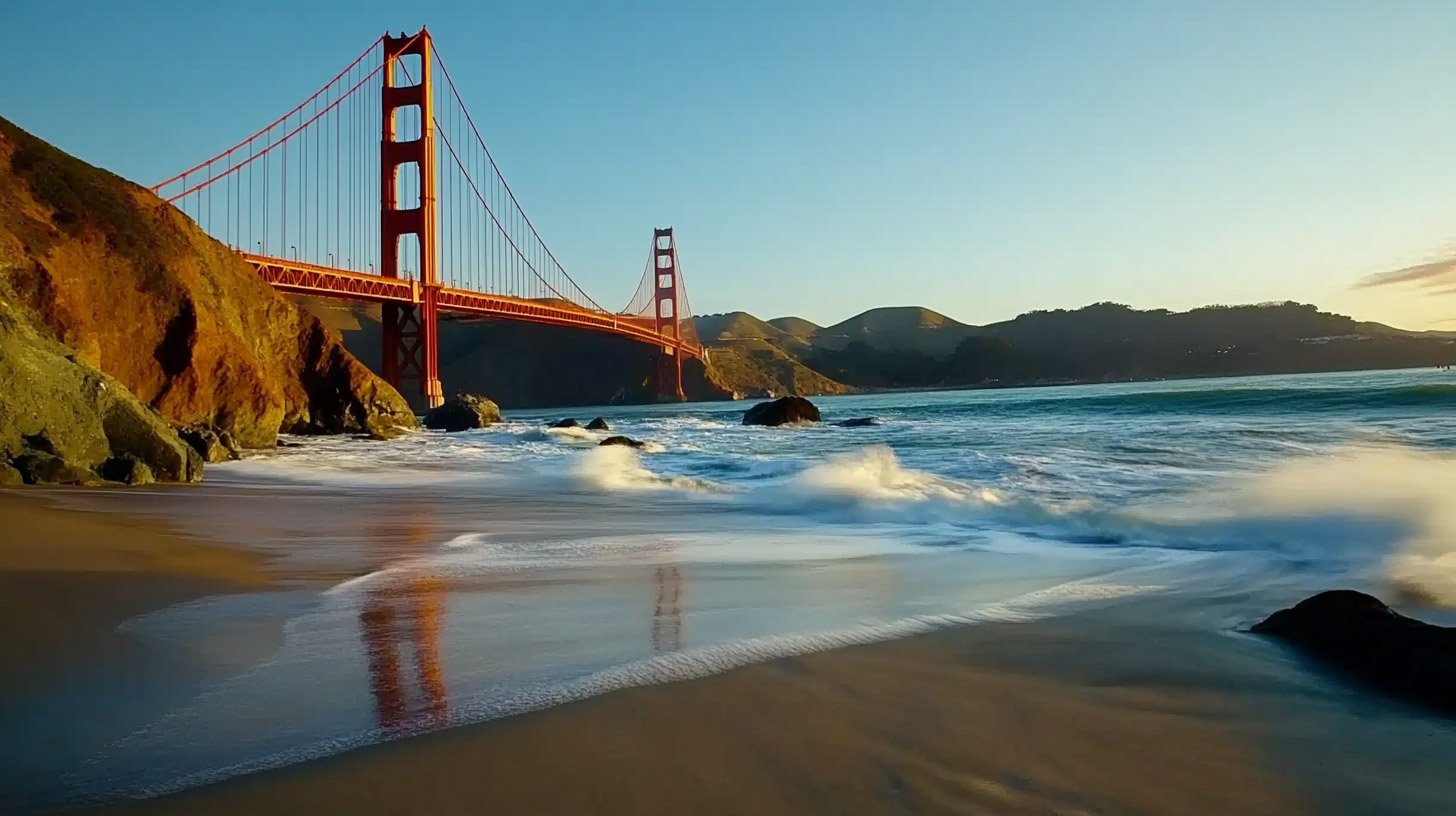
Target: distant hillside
908,347
756,368
733,326
896,327
1109,341
795,326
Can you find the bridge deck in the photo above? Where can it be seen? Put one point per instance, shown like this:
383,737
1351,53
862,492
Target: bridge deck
309,279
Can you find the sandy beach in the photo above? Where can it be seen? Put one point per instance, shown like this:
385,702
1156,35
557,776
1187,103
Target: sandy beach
68,579
1121,710
968,721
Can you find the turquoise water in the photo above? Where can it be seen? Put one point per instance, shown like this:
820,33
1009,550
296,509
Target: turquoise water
446,579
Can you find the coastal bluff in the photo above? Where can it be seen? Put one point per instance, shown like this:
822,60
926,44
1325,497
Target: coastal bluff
133,293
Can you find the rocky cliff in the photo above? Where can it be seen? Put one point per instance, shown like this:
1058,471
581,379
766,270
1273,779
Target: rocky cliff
138,292
62,421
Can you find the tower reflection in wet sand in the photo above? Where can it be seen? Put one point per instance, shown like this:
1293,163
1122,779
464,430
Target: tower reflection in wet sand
405,611
667,612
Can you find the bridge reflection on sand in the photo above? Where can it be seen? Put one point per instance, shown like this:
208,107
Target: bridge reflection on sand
408,613
400,623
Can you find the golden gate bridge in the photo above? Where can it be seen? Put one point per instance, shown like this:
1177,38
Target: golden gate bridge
379,188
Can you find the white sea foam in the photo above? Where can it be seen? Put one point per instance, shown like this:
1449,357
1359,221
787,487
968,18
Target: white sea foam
617,467
1412,488
876,473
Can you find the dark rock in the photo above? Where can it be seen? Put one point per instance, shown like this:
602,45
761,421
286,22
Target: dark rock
134,430
126,469
858,422
463,412
226,440
598,424
622,440
9,476
1368,642
45,468
206,442
569,422
54,405
40,442
782,411
282,444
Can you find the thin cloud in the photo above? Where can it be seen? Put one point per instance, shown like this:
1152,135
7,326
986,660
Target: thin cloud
1435,275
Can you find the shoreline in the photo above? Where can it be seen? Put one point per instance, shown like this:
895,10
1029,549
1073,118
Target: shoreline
1067,716
69,577
973,719
1102,711
68,580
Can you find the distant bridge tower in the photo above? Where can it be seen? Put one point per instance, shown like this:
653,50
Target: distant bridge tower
665,303
410,330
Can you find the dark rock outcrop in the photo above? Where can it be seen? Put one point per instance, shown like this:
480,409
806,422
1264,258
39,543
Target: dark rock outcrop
782,411
569,422
598,424
623,441
463,412
46,468
137,291
126,469
858,422
1368,642
209,444
60,418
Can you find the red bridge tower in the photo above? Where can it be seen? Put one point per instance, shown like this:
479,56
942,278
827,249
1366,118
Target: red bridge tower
665,308
410,329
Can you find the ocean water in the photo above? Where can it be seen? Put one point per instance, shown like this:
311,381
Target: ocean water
444,579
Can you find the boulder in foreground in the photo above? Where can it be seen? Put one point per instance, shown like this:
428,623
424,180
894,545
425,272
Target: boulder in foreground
1365,640
210,445
61,419
782,411
858,422
598,424
463,412
624,441
569,422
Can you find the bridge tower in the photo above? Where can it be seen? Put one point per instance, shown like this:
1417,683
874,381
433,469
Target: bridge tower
665,309
410,329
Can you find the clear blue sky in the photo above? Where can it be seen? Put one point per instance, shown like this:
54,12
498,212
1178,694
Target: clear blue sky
820,157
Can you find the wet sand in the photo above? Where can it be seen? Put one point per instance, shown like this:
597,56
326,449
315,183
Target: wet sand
1103,713
973,720
68,578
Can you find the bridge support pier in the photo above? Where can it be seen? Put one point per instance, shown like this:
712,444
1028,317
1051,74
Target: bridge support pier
669,377
411,347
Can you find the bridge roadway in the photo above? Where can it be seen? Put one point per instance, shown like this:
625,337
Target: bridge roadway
295,277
